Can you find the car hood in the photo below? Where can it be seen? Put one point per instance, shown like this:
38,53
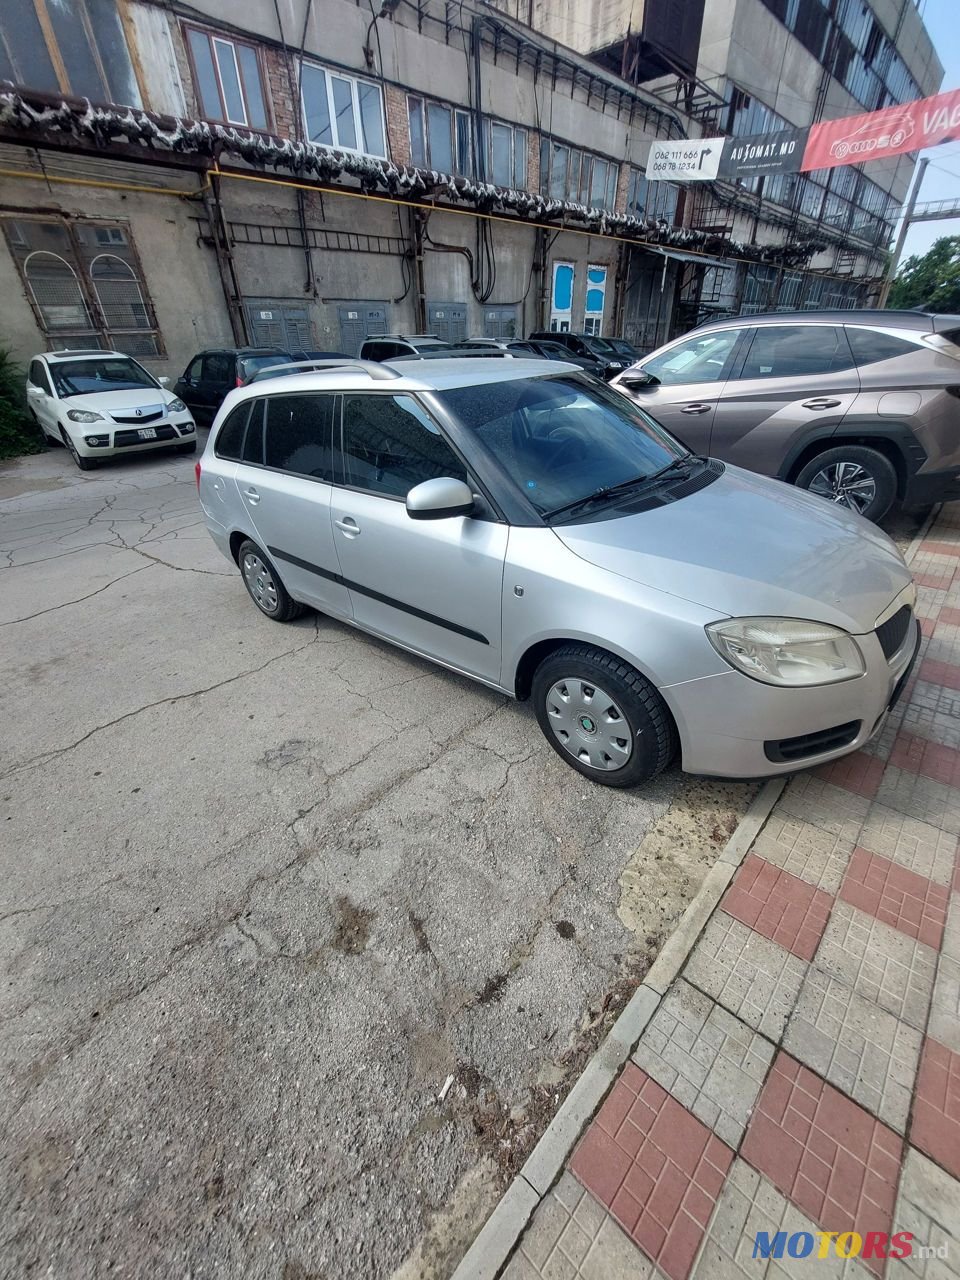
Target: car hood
125,402
748,546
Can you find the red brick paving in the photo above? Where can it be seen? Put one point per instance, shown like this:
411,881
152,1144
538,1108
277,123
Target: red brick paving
857,772
829,1156
950,616
932,759
936,1108
939,581
778,905
928,626
656,1168
940,548
942,673
901,898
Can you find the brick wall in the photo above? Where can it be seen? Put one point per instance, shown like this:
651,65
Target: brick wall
623,187
398,124
533,160
280,104
178,41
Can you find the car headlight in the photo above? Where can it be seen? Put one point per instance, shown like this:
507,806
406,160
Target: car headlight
84,415
787,651
176,406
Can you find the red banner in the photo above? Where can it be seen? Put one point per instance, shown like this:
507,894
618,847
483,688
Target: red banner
889,132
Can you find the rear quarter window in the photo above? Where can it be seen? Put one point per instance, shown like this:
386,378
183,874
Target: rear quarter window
869,346
229,441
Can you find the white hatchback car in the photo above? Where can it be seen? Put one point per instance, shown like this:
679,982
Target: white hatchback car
101,403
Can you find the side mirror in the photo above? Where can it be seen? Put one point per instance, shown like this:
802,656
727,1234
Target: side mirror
637,380
164,381
439,499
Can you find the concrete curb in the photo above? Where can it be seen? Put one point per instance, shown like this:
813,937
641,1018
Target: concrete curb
503,1228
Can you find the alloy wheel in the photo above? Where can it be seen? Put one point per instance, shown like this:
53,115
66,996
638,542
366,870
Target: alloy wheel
588,724
847,484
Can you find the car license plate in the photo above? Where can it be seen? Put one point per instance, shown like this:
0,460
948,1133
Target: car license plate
147,433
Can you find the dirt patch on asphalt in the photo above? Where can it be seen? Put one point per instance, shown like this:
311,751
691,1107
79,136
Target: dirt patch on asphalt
352,930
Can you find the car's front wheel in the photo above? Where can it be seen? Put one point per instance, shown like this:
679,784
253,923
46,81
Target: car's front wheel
852,476
263,583
85,464
602,716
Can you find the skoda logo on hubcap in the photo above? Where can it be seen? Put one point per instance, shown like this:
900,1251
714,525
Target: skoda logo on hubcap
586,724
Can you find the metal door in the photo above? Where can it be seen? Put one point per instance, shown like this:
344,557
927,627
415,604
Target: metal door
500,322
791,381
448,320
360,320
278,324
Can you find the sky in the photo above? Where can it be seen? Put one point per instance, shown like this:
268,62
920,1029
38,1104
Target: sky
942,179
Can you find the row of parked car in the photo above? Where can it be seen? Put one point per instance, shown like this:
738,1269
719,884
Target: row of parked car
861,407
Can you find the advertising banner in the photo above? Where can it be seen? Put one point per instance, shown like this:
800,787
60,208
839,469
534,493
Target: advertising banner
780,152
690,160
889,132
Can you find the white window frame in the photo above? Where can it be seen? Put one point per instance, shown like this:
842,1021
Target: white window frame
354,82
489,124
228,44
417,102
593,320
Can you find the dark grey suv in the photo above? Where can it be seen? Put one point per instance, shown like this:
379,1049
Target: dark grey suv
861,407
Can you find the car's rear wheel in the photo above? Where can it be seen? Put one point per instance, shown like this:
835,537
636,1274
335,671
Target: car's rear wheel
852,476
264,586
85,464
602,717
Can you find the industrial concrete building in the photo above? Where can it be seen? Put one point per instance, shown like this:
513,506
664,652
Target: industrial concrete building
308,172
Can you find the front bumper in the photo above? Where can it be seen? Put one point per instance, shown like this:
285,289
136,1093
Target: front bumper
712,713
125,439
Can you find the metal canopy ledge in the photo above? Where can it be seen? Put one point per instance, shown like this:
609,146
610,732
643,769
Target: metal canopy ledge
679,255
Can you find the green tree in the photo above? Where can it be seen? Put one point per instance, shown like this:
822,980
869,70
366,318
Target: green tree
931,281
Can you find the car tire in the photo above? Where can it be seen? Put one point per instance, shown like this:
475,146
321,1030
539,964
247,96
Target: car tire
84,464
869,488
187,448
264,586
577,680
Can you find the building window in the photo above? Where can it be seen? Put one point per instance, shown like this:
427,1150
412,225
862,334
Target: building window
561,297
655,200
441,137
81,295
228,79
596,295
77,48
567,173
341,111
505,154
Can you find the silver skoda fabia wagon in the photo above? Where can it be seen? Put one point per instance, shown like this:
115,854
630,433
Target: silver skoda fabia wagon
535,530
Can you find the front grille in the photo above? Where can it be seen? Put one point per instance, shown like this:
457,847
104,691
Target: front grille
149,413
812,744
121,438
893,632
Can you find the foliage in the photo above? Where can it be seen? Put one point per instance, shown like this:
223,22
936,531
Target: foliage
931,281
18,432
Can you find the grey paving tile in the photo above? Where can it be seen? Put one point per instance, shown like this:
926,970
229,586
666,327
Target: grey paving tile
821,803
928,1205
878,962
755,979
944,1024
944,645
910,842
917,797
571,1236
807,851
749,1203
709,1060
934,713
861,1049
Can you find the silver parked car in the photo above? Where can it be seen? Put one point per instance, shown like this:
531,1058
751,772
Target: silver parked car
523,524
861,407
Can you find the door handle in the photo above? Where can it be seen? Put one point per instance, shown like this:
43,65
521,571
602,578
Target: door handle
696,408
251,496
348,526
821,402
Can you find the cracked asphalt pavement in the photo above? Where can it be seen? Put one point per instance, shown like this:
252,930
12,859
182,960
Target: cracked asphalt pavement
264,889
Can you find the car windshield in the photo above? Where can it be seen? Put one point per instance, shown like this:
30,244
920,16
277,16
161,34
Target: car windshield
250,364
86,377
562,438
600,347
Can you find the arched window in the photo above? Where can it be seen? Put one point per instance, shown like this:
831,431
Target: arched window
56,292
118,293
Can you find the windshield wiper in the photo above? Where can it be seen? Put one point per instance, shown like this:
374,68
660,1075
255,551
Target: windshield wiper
617,490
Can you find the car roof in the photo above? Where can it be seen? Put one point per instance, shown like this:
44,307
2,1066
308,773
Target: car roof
83,354
922,321
414,375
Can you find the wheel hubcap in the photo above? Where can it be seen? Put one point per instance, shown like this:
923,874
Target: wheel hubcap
589,725
260,582
846,483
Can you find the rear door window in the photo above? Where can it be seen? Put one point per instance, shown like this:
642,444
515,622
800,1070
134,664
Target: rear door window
253,440
299,435
796,351
869,346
